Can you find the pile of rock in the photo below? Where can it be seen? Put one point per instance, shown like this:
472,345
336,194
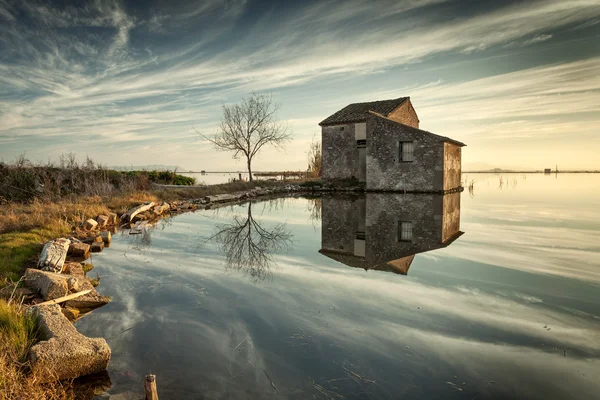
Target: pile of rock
63,353
61,293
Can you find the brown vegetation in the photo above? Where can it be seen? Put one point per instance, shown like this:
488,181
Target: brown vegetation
18,332
315,158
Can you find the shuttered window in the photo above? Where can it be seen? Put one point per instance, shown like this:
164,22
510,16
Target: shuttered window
406,151
404,231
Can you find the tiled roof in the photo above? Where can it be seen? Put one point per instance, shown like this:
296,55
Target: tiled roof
357,112
441,138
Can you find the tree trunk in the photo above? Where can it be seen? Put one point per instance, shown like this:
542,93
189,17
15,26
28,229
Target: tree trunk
249,171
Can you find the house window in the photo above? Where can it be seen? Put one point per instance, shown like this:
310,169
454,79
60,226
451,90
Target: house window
406,152
404,231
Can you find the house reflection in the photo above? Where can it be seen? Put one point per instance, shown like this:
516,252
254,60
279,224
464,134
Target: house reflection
383,231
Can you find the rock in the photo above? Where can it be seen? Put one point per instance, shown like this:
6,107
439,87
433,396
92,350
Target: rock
131,213
74,285
139,217
97,247
112,219
16,293
80,250
106,237
51,285
98,239
89,224
159,210
71,313
221,198
87,267
63,352
102,220
54,254
74,268
88,301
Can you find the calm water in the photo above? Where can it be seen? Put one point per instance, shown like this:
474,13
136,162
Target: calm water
215,178
376,297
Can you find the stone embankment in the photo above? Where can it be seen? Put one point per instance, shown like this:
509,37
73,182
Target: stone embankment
59,291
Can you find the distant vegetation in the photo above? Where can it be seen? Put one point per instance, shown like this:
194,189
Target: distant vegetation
24,181
315,158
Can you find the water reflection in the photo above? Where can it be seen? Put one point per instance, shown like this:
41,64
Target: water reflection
249,246
384,231
510,310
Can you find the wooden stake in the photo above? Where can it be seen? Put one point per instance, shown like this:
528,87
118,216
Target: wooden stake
65,298
150,387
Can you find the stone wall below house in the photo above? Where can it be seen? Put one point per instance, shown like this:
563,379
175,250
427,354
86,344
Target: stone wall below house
385,170
340,154
452,166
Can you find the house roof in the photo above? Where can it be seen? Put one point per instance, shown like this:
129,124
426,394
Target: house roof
357,112
441,138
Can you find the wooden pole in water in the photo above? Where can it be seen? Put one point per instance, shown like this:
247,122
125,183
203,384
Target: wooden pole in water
150,387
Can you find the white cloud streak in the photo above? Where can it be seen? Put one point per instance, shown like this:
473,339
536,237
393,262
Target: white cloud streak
131,94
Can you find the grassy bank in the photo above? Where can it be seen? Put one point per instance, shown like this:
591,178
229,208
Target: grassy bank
24,227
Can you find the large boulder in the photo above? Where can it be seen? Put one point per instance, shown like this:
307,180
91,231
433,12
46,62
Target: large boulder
54,254
97,247
102,220
106,237
90,224
80,250
63,352
51,285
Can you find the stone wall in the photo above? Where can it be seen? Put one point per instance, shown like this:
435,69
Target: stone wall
452,166
385,171
405,114
340,154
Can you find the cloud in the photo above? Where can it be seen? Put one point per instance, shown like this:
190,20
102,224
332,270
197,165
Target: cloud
109,87
537,39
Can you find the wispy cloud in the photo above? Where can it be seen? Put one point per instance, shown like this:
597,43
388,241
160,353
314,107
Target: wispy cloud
59,77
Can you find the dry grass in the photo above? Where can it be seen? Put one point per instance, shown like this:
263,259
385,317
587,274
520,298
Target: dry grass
18,332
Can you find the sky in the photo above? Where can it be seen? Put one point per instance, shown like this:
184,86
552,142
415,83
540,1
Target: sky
133,83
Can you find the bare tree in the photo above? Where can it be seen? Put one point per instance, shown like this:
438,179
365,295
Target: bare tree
246,127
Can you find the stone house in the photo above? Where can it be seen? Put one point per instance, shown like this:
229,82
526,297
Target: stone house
384,231
380,143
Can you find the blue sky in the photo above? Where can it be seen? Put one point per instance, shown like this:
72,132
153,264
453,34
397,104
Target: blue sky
130,83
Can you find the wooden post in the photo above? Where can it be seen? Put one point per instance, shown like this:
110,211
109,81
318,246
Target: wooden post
240,176
150,387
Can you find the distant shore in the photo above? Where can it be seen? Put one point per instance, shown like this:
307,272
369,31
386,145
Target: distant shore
269,173
530,172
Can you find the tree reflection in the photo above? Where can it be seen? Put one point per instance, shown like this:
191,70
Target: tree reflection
250,247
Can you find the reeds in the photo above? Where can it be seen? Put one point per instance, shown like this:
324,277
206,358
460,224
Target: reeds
24,181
